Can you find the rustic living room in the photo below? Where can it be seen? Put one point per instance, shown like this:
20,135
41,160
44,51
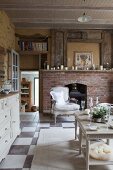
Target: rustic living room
56,85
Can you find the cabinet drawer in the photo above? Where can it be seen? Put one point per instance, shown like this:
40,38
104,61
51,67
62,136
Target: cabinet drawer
15,129
4,104
14,99
5,130
5,116
4,143
1,106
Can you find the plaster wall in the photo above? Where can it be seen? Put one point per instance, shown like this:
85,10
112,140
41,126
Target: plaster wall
74,47
7,32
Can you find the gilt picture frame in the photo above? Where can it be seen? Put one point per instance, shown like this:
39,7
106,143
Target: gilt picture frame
83,58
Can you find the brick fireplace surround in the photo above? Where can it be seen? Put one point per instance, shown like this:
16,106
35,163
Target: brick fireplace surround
99,84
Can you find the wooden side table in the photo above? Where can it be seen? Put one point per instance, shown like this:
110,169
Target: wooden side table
101,133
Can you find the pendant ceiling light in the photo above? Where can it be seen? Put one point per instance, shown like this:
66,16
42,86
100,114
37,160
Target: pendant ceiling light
84,17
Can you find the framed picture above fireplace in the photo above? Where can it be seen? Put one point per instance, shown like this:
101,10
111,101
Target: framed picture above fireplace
83,58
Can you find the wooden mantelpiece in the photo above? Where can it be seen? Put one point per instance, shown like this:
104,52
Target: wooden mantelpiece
99,83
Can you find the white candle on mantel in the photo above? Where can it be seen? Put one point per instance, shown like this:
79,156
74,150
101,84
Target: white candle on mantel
72,67
101,67
76,67
93,66
66,68
62,67
97,101
47,67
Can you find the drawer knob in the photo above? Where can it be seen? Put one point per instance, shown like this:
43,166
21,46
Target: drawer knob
5,128
6,141
5,116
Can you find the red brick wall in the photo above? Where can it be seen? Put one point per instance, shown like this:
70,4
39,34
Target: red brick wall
99,83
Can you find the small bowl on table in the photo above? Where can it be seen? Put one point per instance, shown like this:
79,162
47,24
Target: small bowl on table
5,91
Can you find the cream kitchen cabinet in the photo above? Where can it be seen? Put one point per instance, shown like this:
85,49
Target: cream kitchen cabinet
15,118
9,122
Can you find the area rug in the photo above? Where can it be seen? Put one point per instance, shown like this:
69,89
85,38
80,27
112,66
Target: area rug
57,150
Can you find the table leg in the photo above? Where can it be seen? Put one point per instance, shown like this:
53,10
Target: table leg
87,154
80,140
75,128
107,142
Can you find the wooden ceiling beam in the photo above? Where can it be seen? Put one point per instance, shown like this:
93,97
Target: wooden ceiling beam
51,7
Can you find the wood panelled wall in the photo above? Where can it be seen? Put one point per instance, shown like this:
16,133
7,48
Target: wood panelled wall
60,38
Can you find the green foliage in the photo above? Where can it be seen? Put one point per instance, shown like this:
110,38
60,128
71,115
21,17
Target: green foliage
99,112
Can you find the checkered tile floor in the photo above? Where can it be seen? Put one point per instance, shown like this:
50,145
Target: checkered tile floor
21,152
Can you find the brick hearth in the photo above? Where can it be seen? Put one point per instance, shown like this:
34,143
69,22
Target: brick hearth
99,83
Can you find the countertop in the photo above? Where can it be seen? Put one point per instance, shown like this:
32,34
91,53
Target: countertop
8,95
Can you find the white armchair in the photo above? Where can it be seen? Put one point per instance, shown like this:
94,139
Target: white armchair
60,102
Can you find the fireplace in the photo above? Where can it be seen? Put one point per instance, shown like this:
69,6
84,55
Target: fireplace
78,92
97,84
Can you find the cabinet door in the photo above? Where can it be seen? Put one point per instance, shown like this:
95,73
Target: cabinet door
15,119
14,70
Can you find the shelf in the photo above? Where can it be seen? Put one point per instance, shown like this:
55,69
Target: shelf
35,49
15,78
26,99
32,52
25,82
37,37
24,93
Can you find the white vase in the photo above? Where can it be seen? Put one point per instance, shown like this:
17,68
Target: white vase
98,120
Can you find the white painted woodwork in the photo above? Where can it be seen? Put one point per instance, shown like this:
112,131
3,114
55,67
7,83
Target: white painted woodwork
9,122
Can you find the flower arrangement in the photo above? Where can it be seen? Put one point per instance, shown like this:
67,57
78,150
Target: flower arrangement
99,112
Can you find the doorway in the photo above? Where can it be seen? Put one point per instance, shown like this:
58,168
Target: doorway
33,78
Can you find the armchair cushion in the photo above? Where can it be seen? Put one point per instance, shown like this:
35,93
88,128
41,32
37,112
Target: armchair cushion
58,97
67,107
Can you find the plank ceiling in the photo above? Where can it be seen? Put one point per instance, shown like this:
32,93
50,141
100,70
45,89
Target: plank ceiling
59,13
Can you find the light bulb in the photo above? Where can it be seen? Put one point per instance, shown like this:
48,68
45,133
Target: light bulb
84,18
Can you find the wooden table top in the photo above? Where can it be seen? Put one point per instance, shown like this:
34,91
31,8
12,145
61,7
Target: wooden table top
84,121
